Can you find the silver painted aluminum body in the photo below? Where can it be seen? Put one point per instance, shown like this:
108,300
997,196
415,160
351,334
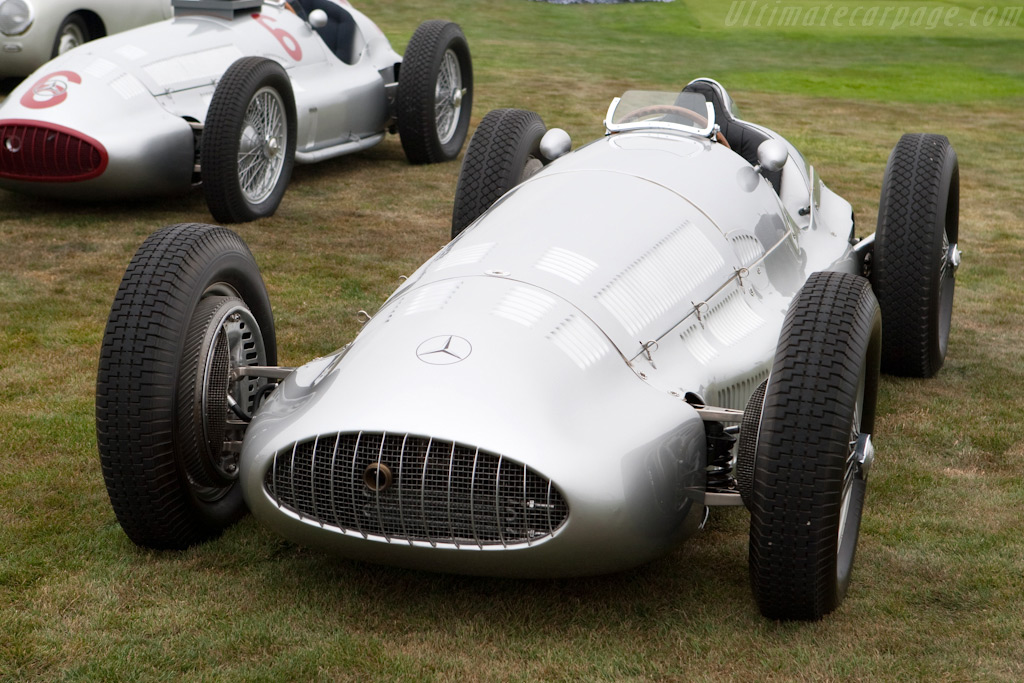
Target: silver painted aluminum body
562,331
141,93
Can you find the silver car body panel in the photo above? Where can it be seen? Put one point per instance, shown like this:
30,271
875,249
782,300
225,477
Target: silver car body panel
161,78
572,319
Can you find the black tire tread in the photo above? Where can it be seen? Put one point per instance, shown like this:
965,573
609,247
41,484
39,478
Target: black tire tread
135,402
414,102
494,162
908,248
808,413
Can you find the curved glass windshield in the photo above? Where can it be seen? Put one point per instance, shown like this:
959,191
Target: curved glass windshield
638,109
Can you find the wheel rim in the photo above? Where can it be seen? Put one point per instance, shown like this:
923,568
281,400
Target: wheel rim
235,341
853,482
850,475
70,37
448,94
947,283
261,149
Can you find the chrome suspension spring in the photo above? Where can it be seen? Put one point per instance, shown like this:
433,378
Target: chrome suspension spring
720,442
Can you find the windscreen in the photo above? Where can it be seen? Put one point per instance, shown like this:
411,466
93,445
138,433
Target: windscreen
654,109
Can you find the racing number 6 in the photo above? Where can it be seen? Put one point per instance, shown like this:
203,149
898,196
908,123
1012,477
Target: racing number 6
288,42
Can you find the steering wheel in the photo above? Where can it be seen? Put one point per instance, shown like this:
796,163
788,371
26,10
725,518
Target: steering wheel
655,109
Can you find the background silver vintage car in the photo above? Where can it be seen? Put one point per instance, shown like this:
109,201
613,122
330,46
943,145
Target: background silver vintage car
232,93
671,318
34,31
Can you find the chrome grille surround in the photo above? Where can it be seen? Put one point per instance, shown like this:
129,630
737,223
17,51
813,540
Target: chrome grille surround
442,493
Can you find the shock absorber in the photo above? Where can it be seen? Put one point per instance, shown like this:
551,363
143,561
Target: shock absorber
720,443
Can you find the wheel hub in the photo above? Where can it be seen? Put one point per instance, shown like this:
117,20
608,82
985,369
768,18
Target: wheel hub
230,340
953,257
272,147
864,453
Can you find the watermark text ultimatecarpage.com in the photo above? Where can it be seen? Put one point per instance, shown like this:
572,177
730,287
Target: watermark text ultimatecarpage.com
768,14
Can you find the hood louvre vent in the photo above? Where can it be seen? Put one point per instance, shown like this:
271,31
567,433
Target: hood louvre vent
427,490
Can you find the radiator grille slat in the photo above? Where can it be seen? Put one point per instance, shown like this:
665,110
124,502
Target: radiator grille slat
441,492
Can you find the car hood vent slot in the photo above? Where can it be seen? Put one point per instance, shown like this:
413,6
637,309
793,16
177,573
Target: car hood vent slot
405,488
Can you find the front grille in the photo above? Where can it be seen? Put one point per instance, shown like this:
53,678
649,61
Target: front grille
428,490
33,152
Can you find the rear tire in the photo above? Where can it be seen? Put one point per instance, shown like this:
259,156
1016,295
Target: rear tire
435,93
808,486
504,151
913,268
170,481
248,145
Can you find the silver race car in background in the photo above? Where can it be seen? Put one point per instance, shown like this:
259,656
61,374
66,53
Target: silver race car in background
674,317
34,31
232,93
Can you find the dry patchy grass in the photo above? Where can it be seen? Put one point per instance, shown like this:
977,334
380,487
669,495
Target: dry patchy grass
939,569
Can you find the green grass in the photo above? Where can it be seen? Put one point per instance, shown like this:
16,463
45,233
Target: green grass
938,580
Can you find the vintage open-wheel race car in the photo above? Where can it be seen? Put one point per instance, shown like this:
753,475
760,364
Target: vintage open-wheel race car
674,317
231,94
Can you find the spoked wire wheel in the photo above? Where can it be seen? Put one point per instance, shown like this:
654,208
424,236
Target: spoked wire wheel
261,147
448,96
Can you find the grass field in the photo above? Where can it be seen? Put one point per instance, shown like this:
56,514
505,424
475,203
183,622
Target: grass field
939,579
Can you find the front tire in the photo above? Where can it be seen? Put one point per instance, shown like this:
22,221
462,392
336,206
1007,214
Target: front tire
913,268
191,307
435,93
73,31
248,145
504,151
811,461
746,448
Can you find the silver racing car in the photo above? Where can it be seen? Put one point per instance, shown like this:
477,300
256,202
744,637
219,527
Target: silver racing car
232,93
674,317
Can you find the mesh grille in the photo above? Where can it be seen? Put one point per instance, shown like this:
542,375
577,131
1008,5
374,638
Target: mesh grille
440,491
37,153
